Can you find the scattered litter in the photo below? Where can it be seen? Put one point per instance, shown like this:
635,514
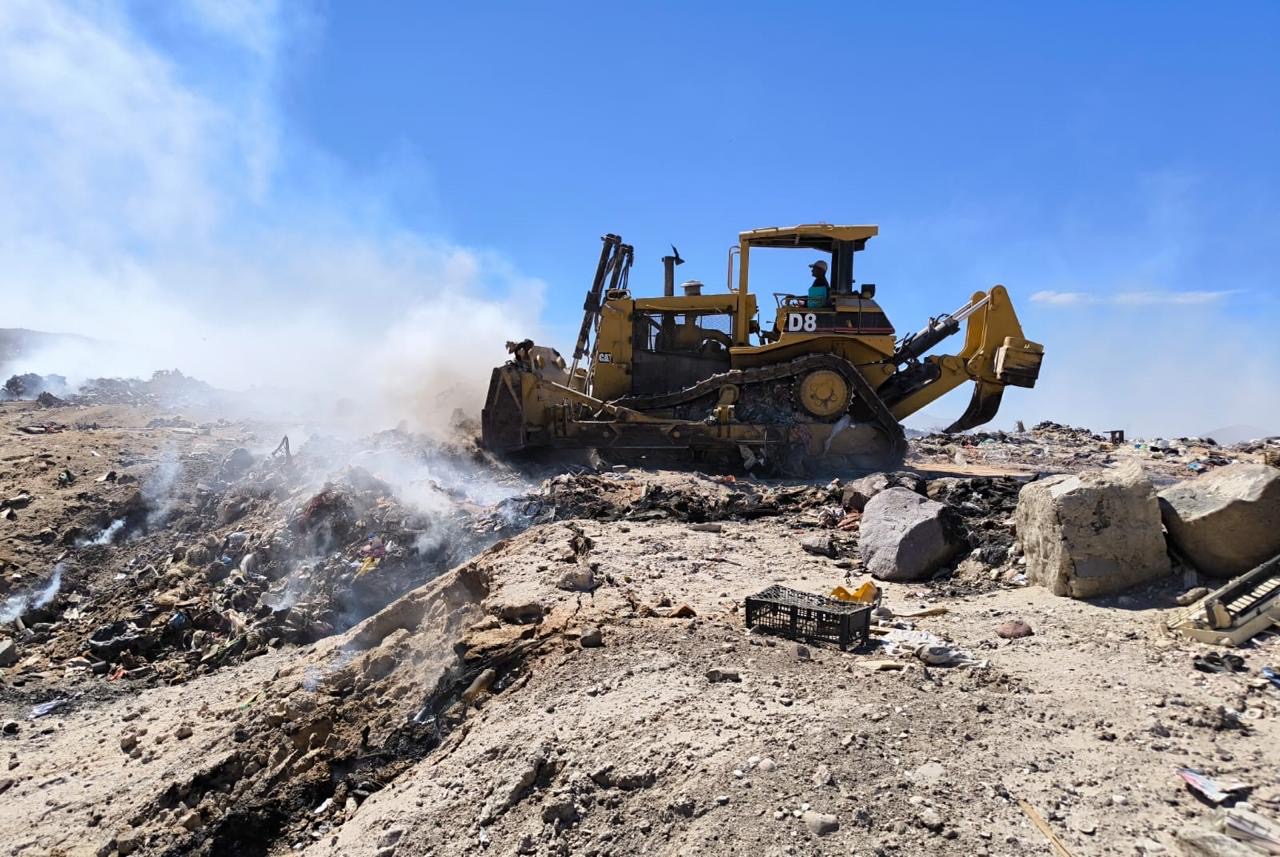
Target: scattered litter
1236,612
1250,827
929,648
883,666
1213,662
923,613
801,615
45,428
850,522
1271,675
867,593
46,708
1214,791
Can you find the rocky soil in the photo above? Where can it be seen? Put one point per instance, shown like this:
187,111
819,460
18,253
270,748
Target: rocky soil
389,646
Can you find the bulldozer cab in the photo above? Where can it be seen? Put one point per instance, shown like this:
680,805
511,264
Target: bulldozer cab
846,311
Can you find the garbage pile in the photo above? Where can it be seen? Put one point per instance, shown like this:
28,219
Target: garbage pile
620,496
256,552
967,521
165,387
1050,447
985,507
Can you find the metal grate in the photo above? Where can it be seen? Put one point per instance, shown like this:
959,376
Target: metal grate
800,615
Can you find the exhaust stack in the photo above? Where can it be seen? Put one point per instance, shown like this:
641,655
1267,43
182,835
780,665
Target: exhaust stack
669,272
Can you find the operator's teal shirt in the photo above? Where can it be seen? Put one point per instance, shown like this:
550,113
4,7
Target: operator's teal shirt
818,293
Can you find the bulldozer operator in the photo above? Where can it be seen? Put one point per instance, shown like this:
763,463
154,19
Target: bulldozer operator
820,291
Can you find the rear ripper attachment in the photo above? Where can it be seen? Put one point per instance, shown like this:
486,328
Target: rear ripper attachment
680,377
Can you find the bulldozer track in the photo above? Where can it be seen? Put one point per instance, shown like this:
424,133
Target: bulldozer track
765,374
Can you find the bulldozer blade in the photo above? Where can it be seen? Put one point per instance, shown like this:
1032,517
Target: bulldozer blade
502,419
982,407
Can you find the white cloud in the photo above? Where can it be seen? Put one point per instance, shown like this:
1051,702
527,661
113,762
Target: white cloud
139,204
1060,298
253,24
1133,298
1171,298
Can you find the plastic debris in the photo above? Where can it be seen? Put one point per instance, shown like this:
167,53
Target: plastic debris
926,647
1216,792
1249,827
46,708
867,593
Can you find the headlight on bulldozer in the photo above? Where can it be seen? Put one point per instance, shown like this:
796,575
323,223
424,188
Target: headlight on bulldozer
1018,362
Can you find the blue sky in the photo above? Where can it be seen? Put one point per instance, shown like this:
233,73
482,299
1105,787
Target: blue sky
376,167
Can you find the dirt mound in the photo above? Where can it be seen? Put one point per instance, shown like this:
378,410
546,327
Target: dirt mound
221,643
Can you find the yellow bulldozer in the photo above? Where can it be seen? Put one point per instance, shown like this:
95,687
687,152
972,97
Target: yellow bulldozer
678,377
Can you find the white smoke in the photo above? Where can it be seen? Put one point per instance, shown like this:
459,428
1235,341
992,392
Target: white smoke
158,490
147,206
108,533
15,606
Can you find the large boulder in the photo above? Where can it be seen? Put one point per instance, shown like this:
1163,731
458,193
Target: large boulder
1226,521
905,536
857,493
1093,533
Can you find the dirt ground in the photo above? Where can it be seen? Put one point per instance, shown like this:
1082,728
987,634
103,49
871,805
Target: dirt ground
583,684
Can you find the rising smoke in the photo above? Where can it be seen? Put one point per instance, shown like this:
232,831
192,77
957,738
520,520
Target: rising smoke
17,605
148,208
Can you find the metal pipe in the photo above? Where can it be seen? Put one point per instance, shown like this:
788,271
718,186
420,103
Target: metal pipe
591,306
970,308
732,250
915,345
669,272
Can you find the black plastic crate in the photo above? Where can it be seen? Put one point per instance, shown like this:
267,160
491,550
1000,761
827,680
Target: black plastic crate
800,615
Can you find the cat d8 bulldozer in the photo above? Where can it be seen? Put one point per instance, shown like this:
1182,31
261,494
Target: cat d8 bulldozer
679,377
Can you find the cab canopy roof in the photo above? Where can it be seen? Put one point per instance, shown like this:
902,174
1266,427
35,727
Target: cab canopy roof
813,236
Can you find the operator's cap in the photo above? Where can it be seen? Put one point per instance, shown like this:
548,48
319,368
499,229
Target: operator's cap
820,265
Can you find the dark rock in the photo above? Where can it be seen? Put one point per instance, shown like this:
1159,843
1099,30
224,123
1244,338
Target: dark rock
1014,629
721,674
905,536
819,545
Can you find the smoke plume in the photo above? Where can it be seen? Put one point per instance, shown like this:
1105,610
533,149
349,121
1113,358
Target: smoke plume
170,216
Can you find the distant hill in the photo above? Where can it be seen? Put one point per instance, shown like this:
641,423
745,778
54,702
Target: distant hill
17,342
925,423
1239,433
